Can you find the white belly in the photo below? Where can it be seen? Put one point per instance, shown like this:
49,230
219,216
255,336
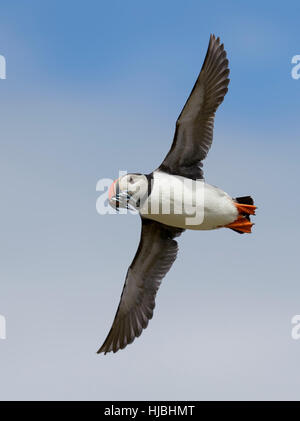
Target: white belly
185,203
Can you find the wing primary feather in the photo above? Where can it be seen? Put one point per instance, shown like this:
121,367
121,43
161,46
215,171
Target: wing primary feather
155,255
194,127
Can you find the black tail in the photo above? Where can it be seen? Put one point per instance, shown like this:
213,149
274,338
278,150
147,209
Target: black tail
246,200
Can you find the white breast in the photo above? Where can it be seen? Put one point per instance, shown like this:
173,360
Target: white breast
185,203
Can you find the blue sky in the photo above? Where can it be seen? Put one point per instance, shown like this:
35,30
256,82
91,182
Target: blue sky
93,88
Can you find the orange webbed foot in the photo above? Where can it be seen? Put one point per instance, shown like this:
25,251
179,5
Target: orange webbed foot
241,224
245,209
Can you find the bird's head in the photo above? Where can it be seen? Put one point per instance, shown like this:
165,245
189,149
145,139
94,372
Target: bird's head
127,190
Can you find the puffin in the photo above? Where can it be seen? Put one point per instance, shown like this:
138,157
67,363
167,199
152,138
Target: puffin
174,198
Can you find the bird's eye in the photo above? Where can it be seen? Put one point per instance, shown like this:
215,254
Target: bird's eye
131,180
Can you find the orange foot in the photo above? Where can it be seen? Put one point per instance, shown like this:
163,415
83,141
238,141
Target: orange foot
241,224
245,209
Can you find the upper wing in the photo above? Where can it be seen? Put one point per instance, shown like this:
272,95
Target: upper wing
155,255
194,127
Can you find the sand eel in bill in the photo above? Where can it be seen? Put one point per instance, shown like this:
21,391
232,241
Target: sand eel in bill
180,173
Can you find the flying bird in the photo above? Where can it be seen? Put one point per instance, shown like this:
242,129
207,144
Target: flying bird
175,185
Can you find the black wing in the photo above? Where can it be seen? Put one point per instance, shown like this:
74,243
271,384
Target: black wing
155,255
194,127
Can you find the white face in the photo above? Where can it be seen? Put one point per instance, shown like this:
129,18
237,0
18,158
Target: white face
128,190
